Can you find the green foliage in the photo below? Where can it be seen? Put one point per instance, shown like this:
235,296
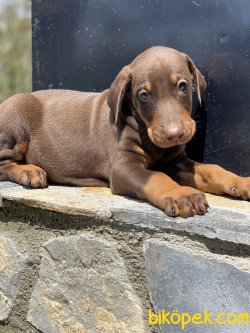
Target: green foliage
15,47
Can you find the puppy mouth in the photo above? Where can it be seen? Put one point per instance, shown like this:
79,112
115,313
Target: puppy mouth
158,137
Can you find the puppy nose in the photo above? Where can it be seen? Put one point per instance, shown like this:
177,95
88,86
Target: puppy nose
174,132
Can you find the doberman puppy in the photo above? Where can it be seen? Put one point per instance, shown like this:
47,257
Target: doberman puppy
130,137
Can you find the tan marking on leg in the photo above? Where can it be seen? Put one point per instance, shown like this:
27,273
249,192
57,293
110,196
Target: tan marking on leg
157,186
5,162
14,167
11,155
20,151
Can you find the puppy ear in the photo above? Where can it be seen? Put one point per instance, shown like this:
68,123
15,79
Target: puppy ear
117,92
200,84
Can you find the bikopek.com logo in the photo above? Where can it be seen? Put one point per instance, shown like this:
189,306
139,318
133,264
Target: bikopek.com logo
206,318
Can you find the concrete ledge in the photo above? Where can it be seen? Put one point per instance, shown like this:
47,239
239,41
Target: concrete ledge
93,262
228,219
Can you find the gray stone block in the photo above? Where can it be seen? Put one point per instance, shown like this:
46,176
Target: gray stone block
12,265
83,287
228,220
193,284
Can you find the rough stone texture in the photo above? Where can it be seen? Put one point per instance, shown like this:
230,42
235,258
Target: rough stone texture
191,283
68,200
228,220
83,287
12,265
83,282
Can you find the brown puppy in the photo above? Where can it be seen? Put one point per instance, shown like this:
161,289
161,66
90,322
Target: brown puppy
131,137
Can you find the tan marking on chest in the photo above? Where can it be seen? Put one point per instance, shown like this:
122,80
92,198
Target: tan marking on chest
137,149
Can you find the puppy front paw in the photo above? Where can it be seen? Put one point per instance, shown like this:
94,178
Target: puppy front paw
240,188
185,202
30,176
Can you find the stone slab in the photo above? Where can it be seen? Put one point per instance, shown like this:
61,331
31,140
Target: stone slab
228,220
83,287
192,284
12,265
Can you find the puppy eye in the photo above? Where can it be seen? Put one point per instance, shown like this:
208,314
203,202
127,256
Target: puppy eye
144,95
182,86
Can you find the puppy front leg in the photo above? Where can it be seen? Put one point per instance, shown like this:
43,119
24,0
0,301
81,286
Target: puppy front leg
211,178
132,179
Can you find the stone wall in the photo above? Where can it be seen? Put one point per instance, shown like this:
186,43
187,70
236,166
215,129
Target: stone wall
85,261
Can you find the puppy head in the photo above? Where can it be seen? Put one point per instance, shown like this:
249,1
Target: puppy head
158,85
